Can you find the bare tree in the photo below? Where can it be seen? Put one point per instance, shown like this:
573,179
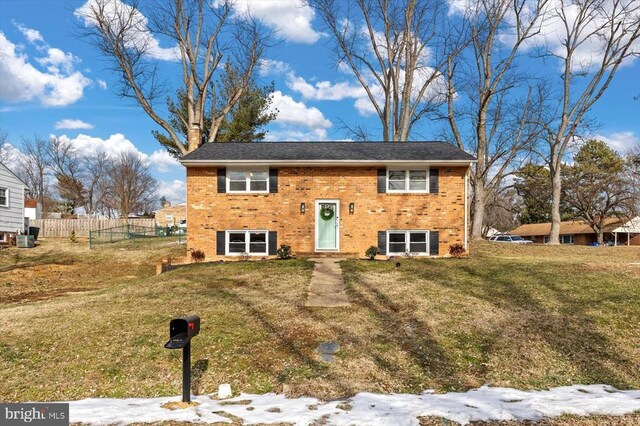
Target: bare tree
34,168
131,188
499,128
397,57
614,25
206,36
4,152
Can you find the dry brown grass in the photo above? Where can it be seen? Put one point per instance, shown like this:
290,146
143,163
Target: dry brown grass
524,317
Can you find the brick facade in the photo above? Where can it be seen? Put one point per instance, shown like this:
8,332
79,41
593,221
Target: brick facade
209,211
176,213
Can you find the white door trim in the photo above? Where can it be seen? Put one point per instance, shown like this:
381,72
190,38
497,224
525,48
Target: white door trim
317,210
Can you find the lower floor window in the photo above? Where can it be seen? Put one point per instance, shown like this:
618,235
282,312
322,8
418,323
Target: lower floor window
400,242
567,239
250,242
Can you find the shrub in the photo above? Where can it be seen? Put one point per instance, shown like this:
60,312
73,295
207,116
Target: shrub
244,256
284,252
72,237
371,252
197,256
456,250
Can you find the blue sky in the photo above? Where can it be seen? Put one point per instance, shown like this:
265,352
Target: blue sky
53,83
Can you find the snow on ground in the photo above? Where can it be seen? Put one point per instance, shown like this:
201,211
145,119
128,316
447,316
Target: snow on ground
485,403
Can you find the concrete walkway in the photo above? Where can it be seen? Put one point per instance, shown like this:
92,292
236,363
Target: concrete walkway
327,285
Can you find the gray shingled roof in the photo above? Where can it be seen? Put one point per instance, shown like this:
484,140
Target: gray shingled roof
327,151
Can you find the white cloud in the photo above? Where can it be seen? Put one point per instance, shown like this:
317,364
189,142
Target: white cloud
622,142
21,81
290,18
273,67
69,123
102,84
163,161
293,113
32,36
139,35
159,160
174,190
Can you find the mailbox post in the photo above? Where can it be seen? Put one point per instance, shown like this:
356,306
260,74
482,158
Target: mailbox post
181,331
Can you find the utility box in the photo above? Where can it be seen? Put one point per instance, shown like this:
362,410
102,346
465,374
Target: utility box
25,241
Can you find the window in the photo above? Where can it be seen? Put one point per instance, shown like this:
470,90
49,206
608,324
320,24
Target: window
546,239
251,242
401,242
248,181
407,181
169,218
4,197
567,239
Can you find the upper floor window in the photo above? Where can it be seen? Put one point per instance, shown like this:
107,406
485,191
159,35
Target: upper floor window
4,197
407,181
248,181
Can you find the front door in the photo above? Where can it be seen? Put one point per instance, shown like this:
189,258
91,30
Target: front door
327,225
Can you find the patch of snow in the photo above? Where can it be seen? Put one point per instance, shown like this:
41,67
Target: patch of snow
483,404
224,391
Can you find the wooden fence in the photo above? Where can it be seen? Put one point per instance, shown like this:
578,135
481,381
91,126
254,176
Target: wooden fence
61,228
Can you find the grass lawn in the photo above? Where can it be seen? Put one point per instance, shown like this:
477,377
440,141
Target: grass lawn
76,323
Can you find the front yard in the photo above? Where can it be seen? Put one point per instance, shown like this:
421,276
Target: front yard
77,324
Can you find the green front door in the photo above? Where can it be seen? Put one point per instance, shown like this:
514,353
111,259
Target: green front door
327,225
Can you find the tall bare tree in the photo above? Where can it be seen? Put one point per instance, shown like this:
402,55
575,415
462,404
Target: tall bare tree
397,54
4,151
498,128
34,168
132,189
607,28
206,35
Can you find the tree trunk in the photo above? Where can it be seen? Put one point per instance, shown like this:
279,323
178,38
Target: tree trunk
478,208
556,188
600,236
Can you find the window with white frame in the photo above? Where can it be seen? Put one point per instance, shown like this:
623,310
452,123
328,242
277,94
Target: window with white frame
567,239
407,180
248,180
401,242
250,242
169,218
4,197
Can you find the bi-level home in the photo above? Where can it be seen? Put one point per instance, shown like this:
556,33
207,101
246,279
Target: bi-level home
327,198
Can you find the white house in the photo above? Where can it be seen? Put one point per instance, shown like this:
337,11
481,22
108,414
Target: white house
32,209
11,202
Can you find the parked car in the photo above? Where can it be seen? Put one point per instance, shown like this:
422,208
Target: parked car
514,239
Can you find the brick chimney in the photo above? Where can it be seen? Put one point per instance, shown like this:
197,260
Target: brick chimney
194,137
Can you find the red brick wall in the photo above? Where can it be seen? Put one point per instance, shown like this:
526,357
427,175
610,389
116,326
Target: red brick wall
209,211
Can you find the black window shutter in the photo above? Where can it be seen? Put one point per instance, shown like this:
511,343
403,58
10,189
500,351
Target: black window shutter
273,180
222,181
273,243
434,241
382,242
433,180
220,243
382,180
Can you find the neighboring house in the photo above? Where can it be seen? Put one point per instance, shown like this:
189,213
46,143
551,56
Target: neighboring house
322,198
171,215
628,233
491,232
32,209
571,232
11,202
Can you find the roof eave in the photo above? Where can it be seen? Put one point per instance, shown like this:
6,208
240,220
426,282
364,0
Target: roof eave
311,163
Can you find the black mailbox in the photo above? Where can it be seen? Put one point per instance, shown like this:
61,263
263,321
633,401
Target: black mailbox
182,330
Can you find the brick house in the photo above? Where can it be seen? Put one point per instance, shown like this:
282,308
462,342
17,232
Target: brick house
171,215
326,198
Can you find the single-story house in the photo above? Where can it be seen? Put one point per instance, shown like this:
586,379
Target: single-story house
170,215
571,232
628,233
327,198
11,203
